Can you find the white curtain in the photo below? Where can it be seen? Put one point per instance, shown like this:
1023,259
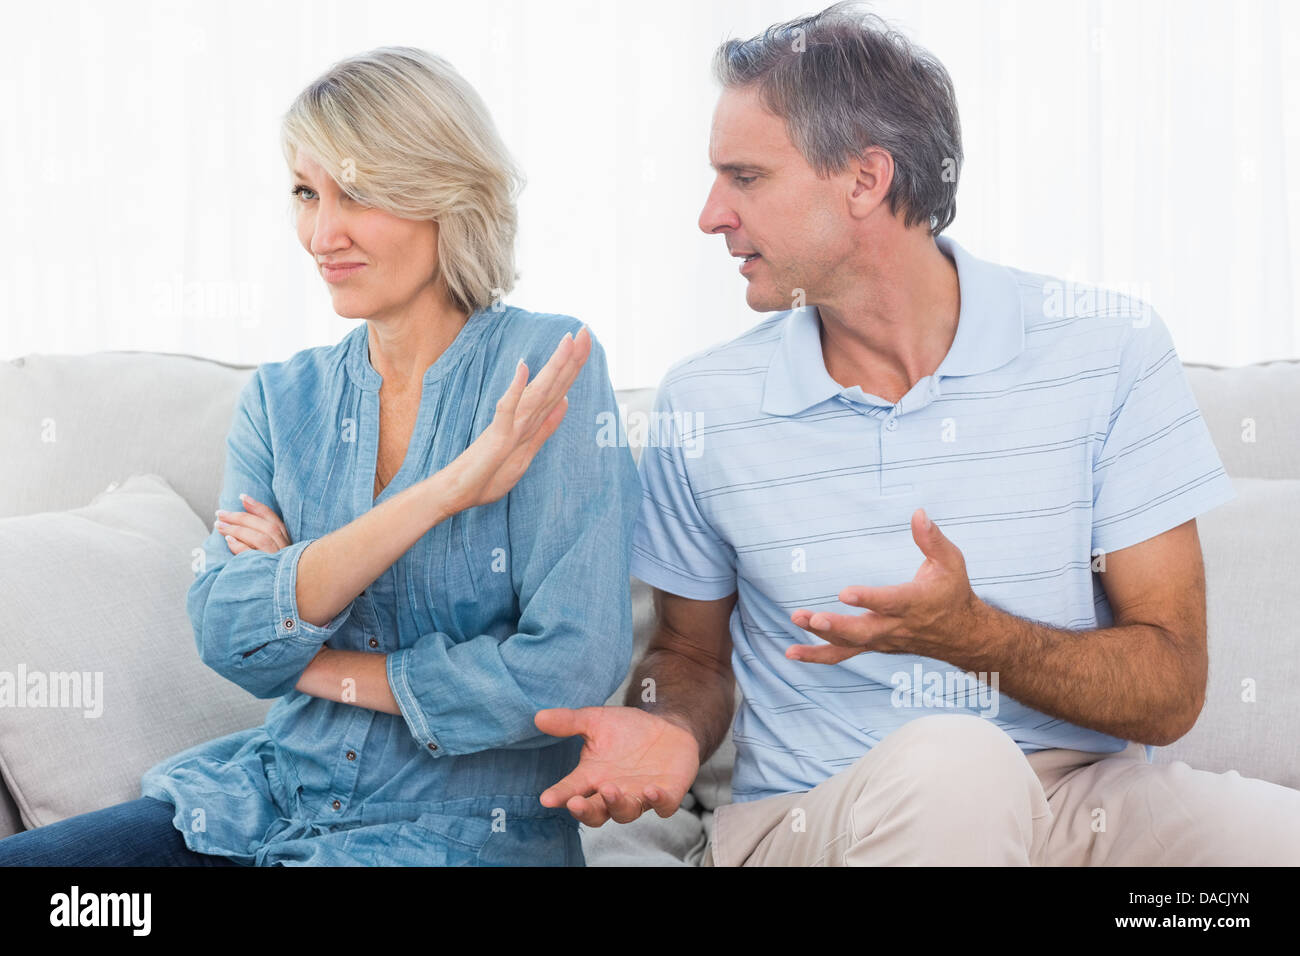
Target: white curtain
1149,146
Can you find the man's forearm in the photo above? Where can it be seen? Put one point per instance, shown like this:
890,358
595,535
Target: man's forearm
337,567
691,694
1129,681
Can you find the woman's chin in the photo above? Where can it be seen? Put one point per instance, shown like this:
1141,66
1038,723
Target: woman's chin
348,307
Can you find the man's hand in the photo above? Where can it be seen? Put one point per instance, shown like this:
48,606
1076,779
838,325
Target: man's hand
257,529
631,761
933,611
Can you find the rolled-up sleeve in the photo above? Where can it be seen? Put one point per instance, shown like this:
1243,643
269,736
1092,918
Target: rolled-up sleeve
244,607
570,521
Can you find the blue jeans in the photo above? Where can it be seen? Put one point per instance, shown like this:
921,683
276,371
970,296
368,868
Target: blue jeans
135,833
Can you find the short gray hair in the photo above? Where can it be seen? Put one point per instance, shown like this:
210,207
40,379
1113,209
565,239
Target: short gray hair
843,81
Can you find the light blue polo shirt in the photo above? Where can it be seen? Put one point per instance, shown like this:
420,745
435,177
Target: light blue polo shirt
1060,426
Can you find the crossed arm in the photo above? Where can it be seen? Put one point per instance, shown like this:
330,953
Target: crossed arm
334,569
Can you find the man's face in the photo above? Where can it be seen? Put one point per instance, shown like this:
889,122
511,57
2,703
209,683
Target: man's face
767,200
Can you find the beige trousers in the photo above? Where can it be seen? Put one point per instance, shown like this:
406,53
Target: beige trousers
953,789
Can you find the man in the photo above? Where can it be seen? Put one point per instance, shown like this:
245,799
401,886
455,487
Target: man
1037,450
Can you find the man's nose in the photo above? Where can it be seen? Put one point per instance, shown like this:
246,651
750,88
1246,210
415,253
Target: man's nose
716,214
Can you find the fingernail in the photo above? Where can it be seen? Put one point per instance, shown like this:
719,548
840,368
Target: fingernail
243,497
222,514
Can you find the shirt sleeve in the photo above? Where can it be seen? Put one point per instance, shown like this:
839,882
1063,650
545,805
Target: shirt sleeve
569,521
244,607
1158,466
674,548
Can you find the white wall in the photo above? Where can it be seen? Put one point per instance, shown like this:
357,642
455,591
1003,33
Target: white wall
1149,145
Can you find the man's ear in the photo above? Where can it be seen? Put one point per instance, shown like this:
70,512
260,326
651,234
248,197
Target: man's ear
872,171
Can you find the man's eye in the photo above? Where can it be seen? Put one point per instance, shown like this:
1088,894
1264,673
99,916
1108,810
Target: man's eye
745,180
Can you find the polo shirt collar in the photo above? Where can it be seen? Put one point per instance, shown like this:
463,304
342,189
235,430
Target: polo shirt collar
990,333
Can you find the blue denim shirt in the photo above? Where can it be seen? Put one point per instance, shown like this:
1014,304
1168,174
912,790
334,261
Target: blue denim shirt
490,616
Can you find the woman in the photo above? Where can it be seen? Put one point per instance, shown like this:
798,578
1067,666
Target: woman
418,548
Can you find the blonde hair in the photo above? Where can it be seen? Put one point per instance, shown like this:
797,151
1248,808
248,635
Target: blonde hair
399,129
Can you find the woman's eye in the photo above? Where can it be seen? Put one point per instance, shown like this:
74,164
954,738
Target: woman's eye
297,192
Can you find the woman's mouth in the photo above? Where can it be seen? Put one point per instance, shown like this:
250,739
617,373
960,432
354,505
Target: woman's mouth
340,272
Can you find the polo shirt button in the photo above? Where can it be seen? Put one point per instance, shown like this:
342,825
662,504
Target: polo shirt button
288,624
352,755
892,424
336,804
374,643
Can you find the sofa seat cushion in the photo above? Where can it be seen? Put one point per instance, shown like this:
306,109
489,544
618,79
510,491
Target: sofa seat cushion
99,675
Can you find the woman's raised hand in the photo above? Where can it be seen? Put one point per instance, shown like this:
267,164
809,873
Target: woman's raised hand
527,414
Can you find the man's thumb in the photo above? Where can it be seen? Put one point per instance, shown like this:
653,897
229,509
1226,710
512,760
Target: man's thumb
561,721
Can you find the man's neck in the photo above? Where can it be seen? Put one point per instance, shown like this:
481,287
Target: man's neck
895,323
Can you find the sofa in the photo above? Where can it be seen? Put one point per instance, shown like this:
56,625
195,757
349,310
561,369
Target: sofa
110,465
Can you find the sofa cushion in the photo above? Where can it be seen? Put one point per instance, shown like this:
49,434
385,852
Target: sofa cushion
74,423
1253,414
99,592
1250,722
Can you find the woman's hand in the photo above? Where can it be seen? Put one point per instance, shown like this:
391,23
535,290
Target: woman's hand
525,418
257,529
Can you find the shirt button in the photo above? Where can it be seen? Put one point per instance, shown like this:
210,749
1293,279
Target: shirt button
288,624
891,424
336,804
374,643
352,755
433,746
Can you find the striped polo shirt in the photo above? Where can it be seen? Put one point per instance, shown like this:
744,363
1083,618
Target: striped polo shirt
1060,426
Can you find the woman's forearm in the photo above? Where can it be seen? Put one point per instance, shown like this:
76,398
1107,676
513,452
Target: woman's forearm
350,677
337,567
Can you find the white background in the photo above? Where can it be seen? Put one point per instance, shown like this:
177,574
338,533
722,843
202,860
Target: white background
1150,146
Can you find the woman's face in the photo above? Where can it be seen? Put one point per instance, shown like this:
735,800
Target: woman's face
397,257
